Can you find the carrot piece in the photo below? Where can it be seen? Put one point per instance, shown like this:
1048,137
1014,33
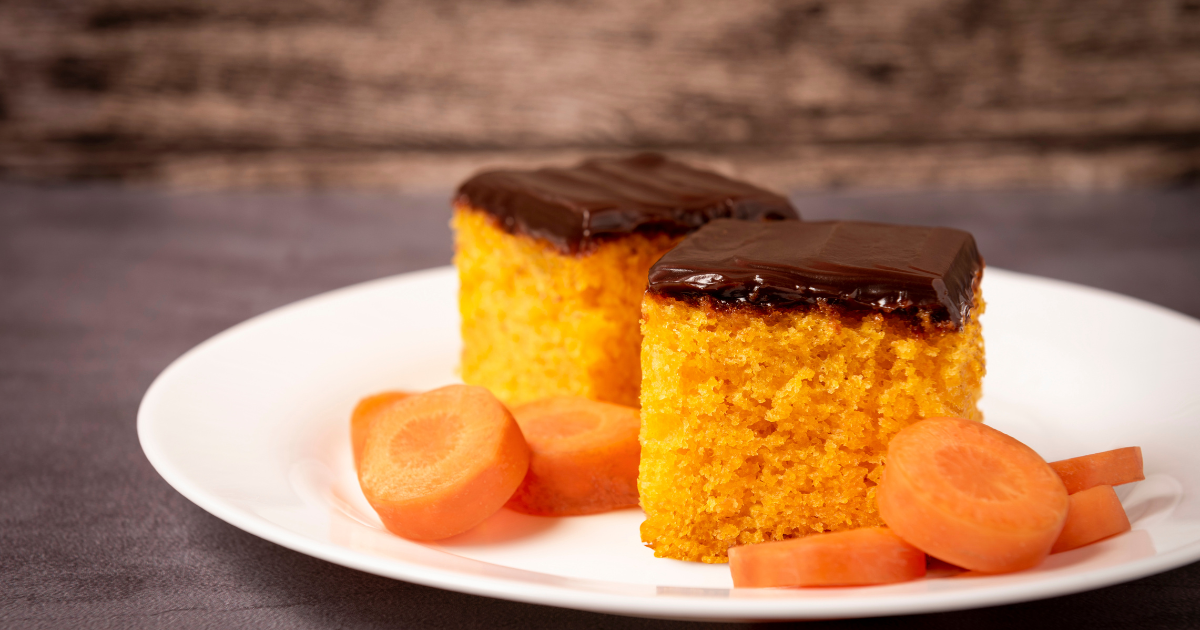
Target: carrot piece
584,457
439,463
971,495
1110,468
1094,514
856,557
365,412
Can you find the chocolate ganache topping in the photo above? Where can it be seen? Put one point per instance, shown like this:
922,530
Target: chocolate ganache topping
889,268
573,208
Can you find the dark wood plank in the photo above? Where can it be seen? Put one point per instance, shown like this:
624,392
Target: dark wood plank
909,93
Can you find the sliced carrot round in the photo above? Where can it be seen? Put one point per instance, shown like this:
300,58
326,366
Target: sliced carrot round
1094,514
971,495
584,457
1110,468
439,463
857,557
365,412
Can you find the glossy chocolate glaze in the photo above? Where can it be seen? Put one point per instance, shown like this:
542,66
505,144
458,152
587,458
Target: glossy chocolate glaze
573,208
928,274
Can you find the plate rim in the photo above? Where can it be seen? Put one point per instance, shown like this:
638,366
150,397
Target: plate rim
654,604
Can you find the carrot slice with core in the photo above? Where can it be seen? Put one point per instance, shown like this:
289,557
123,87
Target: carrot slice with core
971,495
858,557
439,463
365,412
1094,514
584,457
1110,468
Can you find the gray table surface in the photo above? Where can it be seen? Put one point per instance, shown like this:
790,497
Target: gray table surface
102,287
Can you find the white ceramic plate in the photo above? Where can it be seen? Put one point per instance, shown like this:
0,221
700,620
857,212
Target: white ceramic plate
252,426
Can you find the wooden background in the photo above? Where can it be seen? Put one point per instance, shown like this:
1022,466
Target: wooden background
418,93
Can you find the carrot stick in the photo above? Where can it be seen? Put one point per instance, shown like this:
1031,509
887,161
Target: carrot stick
365,412
584,457
1094,514
971,495
857,557
1110,468
439,463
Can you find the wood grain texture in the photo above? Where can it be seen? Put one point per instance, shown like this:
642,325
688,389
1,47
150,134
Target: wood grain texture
811,93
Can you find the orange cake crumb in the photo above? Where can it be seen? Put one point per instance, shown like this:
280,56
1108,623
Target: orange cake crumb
761,425
537,323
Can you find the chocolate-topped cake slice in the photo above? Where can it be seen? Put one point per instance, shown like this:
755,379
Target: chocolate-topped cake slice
553,262
778,361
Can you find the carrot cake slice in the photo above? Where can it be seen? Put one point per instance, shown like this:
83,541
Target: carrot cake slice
552,266
777,363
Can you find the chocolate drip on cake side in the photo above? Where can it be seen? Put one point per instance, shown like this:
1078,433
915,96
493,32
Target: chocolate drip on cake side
926,275
576,208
